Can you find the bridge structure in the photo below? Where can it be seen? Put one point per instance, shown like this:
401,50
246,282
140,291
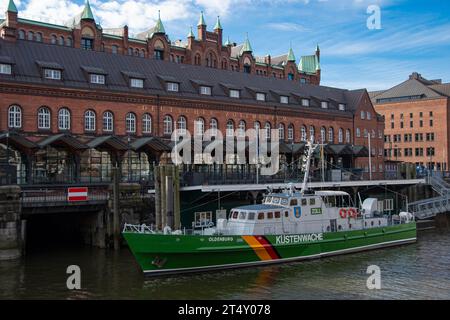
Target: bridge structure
429,208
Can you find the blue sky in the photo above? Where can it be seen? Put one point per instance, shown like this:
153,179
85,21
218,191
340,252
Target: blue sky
415,34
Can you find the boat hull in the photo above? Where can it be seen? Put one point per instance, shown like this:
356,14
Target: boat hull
159,254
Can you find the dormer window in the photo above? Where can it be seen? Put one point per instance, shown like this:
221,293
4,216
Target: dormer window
324,105
284,99
173,86
5,68
235,93
52,74
136,83
205,90
260,96
341,107
305,102
87,44
97,78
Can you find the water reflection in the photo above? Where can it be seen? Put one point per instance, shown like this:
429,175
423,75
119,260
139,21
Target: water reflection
418,271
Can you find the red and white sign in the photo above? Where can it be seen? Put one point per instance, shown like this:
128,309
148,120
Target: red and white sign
77,194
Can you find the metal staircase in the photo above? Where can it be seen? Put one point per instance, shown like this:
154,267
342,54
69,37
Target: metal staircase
429,208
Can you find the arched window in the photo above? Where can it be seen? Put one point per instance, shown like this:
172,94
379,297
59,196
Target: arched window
130,122
142,53
242,128
130,51
213,125
257,125
182,125
358,132
21,35
348,136
146,123
89,120
197,59
331,135
44,118
312,133
53,39
38,37
108,121
114,49
64,119
291,132
14,117
168,124
341,135
200,126
303,133
267,128
69,42
230,128
281,131
323,135
61,40
30,35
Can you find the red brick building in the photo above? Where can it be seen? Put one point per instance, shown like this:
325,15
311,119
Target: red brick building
76,98
417,115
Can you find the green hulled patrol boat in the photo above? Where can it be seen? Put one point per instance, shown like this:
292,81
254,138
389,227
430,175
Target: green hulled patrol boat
288,226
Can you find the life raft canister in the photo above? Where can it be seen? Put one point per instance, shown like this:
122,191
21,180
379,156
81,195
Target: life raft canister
343,213
352,213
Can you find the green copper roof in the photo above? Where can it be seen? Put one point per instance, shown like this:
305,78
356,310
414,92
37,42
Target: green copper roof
291,56
228,43
247,47
191,34
309,64
87,12
201,21
218,24
12,6
159,27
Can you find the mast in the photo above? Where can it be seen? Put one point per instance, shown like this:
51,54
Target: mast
307,165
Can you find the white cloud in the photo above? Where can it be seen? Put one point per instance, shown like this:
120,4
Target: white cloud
287,26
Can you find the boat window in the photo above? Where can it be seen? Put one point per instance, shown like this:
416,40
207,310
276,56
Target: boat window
339,227
235,215
277,215
304,202
330,201
312,202
242,215
261,216
269,215
251,216
275,200
371,223
284,201
294,202
286,214
268,199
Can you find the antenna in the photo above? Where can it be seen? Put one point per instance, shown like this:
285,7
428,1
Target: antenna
306,166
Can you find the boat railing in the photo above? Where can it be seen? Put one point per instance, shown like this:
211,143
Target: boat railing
138,228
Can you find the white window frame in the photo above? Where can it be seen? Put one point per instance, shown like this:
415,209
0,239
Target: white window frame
235,94
5,68
44,118
324,105
305,102
303,133
108,121
167,125
205,90
213,124
260,96
284,99
137,83
173,86
291,132
15,116
97,78
230,128
182,125
52,74
363,115
146,123
64,119
199,126
89,120
341,106
130,123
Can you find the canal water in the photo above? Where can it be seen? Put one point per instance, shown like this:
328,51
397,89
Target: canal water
418,271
